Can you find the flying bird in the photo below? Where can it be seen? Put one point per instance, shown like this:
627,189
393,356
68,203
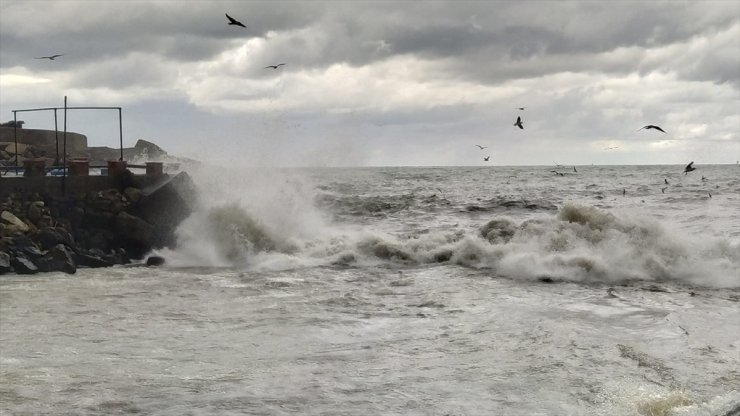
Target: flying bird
51,58
574,169
234,22
521,108
666,181
663,189
482,147
650,126
486,158
519,123
688,168
274,66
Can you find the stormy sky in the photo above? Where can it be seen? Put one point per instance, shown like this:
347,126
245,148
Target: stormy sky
386,83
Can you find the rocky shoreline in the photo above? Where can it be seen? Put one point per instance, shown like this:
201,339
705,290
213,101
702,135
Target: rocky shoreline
46,232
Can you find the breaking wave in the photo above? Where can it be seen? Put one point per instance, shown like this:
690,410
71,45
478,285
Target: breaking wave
577,243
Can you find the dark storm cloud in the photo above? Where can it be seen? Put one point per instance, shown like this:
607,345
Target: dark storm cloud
442,69
521,39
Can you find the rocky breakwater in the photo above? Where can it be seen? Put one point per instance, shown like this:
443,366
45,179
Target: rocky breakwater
43,232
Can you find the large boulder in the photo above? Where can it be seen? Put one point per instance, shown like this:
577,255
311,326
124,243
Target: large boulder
92,259
22,265
58,259
5,263
36,210
14,221
51,236
137,236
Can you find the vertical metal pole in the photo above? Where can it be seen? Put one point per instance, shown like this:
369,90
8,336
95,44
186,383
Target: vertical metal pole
15,138
56,137
120,132
64,149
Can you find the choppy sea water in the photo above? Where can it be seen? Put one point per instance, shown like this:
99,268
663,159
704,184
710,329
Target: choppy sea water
403,291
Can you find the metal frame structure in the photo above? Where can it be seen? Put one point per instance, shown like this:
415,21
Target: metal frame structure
56,129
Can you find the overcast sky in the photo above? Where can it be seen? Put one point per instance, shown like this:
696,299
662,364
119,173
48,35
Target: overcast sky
386,83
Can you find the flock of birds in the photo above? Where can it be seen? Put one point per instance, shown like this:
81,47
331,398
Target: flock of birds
231,22
519,122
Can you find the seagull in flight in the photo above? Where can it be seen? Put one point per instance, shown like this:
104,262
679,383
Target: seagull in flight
274,66
688,168
234,22
482,147
521,108
650,126
486,158
519,123
51,58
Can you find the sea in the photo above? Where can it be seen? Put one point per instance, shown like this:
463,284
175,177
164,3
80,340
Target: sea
490,290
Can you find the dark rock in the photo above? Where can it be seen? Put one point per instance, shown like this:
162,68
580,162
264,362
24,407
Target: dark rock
120,256
166,205
51,236
100,238
58,259
98,219
155,261
23,244
36,210
133,194
137,236
5,263
110,200
92,260
22,265
5,243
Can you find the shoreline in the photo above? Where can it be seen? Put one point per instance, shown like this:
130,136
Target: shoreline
52,224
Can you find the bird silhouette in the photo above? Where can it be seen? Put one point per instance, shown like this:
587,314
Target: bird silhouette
650,126
234,22
663,189
486,158
274,66
519,123
666,181
521,108
688,168
482,147
51,58
574,169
